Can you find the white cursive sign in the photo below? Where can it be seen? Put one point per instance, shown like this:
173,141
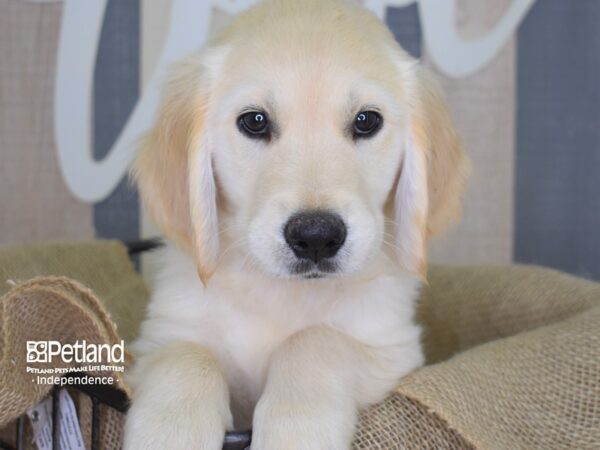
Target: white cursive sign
92,181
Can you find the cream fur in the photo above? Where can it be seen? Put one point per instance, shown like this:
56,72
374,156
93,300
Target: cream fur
230,330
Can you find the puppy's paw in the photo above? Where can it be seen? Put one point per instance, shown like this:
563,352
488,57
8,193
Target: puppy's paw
286,424
180,401
156,428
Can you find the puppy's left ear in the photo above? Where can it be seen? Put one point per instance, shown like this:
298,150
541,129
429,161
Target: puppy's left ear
433,174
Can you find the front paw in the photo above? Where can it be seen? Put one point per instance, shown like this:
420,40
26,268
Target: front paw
180,400
166,429
291,424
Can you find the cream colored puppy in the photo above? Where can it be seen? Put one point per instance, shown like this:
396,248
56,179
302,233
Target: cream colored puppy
298,165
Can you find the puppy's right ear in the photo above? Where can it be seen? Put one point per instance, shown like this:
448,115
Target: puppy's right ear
173,168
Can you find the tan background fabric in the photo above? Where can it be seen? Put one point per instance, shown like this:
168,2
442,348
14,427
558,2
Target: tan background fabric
35,202
483,106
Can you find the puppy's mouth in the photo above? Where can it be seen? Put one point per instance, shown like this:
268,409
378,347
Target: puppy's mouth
313,276
310,270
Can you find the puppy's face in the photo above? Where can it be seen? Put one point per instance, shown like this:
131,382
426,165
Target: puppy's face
293,142
306,155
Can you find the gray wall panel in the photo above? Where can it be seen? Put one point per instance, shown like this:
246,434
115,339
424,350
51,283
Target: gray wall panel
405,25
116,89
557,217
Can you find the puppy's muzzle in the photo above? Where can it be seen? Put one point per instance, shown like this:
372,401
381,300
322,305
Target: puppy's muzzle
315,235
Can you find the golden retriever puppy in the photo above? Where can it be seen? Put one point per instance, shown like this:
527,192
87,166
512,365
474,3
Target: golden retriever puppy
298,165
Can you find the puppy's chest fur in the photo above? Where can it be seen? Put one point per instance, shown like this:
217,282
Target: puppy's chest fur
242,317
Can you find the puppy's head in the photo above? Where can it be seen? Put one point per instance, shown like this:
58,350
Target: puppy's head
306,140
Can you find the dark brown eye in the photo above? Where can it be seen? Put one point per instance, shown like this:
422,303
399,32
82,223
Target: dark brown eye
366,124
254,124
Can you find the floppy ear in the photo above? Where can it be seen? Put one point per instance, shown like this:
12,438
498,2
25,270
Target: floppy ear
173,169
432,177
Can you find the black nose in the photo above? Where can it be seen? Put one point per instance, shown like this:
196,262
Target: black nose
315,235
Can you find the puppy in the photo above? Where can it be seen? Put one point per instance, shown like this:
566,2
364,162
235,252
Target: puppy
298,165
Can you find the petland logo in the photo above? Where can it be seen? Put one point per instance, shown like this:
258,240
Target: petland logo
79,352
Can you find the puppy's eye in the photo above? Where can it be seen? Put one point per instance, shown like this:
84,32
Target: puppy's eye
254,124
366,123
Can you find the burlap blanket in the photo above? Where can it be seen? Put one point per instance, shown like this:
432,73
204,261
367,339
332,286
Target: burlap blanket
513,353
51,293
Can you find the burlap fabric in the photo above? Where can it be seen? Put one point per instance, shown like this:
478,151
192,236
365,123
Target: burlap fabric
49,307
527,375
513,352
102,266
